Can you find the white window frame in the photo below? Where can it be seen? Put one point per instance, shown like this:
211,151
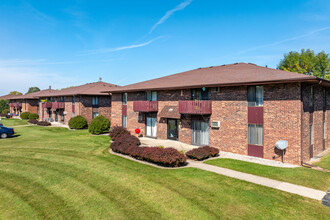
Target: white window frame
254,136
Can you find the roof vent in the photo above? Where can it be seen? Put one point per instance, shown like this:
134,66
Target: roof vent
50,87
100,79
211,67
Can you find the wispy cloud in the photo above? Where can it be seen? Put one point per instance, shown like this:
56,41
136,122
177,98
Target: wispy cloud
169,13
285,40
41,62
108,50
38,14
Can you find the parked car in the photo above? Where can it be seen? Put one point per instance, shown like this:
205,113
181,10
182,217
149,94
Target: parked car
6,132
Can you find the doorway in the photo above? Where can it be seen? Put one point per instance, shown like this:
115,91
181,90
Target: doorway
151,126
172,129
200,133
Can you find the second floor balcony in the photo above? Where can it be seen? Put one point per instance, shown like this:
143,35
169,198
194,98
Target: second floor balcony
58,105
15,105
198,107
47,105
145,106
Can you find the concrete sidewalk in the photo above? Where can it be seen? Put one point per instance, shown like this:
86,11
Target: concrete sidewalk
283,186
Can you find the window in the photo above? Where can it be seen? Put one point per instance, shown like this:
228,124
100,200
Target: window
256,134
73,100
324,99
95,101
124,121
73,114
124,98
94,115
62,99
256,95
311,139
151,95
324,130
200,94
311,97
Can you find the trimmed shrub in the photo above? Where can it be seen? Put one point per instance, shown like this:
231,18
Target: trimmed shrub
43,123
202,153
127,144
25,115
78,122
33,121
99,125
33,116
5,111
117,131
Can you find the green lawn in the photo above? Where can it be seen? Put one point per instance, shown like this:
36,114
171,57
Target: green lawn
13,122
300,175
324,162
55,173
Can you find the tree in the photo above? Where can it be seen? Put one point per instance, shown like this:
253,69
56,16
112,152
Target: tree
306,62
33,89
4,104
15,93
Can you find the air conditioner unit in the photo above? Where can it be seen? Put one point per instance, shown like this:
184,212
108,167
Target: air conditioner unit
215,124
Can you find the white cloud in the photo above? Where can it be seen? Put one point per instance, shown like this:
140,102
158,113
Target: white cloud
21,78
169,13
108,50
285,40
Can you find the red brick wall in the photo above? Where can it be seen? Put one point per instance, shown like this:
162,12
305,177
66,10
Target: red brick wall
229,106
86,108
282,120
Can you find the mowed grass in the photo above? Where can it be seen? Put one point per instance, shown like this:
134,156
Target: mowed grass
13,122
324,162
300,175
54,173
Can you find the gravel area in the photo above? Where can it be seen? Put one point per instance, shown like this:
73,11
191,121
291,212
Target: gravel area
257,160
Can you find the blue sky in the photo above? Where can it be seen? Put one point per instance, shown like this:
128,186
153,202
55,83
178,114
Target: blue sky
64,43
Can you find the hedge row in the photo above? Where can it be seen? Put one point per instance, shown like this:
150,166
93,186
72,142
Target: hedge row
129,145
43,123
202,153
33,121
118,131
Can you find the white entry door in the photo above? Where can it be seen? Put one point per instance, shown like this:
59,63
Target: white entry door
151,126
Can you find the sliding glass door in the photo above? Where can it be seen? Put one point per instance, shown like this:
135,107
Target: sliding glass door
151,126
200,133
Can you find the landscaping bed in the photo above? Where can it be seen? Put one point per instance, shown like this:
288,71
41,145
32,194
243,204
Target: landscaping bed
130,145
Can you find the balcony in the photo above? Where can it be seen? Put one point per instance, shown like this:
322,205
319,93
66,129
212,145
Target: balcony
145,106
15,105
199,107
47,105
58,105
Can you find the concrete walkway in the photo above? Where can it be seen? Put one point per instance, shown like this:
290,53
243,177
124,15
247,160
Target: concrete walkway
152,142
283,186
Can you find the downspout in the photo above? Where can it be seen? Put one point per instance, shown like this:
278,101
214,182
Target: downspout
301,123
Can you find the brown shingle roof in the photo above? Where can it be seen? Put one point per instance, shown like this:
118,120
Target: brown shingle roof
86,89
35,95
7,97
232,74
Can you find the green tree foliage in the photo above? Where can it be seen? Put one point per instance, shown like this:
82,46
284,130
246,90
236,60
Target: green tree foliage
99,125
33,89
4,104
15,93
307,62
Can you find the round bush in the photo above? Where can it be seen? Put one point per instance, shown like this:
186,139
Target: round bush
5,111
99,125
78,122
25,115
33,116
